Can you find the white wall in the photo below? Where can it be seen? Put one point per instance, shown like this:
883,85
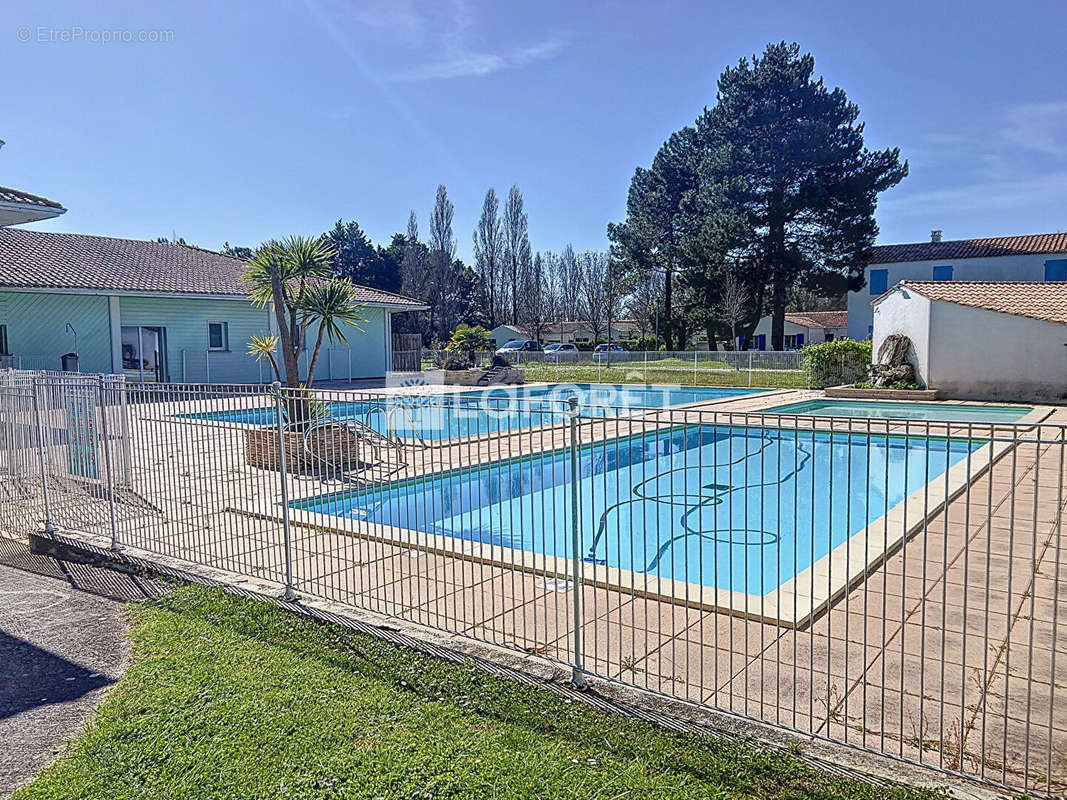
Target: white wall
908,313
999,268
987,355
502,334
811,335
974,354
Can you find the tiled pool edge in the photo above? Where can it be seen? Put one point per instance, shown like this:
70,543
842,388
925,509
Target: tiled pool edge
794,604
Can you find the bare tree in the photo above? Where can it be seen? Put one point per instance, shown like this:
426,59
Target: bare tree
488,253
536,306
442,254
570,283
642,306
516,247
594,283
733,305
413,227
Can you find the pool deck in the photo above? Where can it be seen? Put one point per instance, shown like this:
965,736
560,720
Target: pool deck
933,652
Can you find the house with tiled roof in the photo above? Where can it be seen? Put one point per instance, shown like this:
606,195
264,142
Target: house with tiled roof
983,340
801,328
156,311
1031,258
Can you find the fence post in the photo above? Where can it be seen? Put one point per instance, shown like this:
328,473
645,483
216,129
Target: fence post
127,456
101,395
48,529
279,412
578,671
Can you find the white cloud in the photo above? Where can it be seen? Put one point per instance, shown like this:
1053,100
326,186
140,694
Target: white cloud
439,39
463,63
1040,127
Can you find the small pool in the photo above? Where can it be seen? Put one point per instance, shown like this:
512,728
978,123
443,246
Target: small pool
439,417
932,412
737,508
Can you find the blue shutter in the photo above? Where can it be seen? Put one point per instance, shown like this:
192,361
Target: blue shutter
1056,270
943,273
761,342
879,281
800,341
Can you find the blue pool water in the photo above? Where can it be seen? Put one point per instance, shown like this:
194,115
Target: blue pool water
873,409
735,508
447,416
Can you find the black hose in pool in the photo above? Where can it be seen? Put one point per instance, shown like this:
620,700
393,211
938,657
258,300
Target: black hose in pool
718,493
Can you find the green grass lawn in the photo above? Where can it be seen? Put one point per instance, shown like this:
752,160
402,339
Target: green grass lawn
228,698
667,371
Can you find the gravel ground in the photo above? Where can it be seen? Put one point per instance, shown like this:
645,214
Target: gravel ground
62,644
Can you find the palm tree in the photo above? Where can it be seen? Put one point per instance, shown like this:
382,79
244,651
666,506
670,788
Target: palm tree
293,278
469,341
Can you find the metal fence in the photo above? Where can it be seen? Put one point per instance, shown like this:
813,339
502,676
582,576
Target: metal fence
785,368
893,585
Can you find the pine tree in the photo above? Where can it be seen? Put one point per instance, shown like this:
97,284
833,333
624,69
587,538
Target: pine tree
788,154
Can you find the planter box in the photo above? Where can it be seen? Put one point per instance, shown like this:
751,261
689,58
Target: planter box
852,393
470,377
332,447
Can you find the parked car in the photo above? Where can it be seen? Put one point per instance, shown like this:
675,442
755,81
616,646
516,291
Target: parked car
604,351
519,346
558,349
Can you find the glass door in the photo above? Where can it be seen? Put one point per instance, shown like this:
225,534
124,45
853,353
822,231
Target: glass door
144,353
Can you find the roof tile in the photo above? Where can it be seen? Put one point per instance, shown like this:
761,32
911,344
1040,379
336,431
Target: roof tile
18,196
1035,300
818,319
42,260
971,248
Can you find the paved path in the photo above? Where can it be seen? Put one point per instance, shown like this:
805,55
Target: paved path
62,644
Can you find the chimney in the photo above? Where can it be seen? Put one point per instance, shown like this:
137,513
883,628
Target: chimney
935,236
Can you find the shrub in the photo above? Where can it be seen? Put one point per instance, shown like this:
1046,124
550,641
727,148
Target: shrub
455,361
469,341
837,362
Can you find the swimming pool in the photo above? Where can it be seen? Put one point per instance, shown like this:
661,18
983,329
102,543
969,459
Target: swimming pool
742,509
933,412
439,417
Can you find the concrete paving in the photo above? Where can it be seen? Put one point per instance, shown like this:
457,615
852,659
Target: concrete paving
62,646
950,652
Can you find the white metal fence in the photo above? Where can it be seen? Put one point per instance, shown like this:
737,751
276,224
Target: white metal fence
889,584
787,368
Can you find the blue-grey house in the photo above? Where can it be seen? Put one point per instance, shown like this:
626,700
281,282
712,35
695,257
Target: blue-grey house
154,311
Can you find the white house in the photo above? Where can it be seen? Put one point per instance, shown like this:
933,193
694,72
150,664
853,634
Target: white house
581,332
801,328
985,340
1040,257
502,334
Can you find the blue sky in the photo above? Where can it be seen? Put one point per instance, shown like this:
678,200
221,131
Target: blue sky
262,119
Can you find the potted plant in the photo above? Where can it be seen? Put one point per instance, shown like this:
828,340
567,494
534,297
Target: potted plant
292,278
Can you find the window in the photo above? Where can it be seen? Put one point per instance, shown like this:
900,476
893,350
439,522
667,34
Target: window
790,341
943,273
3,341
1056,270
878,281
218,336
